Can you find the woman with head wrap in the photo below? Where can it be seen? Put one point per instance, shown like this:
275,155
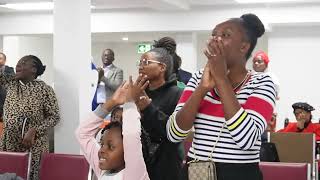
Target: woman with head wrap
260,64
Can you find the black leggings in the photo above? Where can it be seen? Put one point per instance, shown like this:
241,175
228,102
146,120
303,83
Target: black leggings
232,171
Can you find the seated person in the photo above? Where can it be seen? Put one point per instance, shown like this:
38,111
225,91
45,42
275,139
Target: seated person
302,111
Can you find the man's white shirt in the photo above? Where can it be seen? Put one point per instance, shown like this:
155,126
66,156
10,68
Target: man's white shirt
101,89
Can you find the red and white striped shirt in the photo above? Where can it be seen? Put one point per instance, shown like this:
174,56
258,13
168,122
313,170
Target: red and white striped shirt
240,139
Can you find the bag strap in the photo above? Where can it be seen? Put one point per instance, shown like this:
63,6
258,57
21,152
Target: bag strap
211,153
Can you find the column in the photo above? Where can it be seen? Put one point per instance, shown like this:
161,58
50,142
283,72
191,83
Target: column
187,50
1,43
71,61
11,50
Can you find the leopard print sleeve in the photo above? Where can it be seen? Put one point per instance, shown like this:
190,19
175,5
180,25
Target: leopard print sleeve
51,111
5,80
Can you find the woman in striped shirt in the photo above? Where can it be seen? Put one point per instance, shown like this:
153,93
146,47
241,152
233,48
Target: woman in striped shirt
228,105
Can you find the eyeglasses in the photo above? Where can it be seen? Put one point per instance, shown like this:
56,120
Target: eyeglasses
146,62
297,112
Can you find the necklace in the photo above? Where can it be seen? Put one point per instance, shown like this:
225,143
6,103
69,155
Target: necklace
239,86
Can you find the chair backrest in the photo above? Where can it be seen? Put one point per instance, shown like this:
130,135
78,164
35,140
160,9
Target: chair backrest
282,170
295,147
15,162
63,167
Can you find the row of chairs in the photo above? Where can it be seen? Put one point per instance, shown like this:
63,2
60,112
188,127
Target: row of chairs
296,154
66,167
285,170
52,167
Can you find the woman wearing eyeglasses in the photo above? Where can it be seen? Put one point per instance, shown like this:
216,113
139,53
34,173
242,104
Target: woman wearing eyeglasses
302,112
156,102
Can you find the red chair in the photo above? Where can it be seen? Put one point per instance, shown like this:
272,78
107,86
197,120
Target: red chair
15,162
63,167
282,170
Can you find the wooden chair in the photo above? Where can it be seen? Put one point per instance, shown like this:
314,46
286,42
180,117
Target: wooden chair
296,148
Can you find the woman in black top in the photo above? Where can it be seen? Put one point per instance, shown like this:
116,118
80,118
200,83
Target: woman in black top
156,103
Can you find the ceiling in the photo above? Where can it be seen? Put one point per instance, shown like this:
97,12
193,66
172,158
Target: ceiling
157,5
160,5
137,4
133,37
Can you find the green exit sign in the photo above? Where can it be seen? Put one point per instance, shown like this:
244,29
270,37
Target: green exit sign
142,48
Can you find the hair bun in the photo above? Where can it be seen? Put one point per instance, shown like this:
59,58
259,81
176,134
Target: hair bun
167,43
254,24
41,70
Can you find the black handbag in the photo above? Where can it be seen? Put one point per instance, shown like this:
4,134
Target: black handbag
268,152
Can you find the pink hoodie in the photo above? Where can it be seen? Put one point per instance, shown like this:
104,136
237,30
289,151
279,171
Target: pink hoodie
135,168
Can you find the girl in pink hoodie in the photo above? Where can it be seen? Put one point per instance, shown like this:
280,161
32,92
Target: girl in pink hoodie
119,156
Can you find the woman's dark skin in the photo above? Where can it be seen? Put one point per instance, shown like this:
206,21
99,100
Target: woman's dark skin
225,69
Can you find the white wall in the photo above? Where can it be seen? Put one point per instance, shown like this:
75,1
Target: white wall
202,43
197,19
126,54
72,53
187,50
11,49
294,55
290,49
1,43
15,47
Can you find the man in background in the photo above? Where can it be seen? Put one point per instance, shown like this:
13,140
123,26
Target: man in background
110,77
6,71
183,75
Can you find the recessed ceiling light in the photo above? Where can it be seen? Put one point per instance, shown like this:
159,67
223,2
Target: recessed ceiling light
29,6
267,1
125,38
33,6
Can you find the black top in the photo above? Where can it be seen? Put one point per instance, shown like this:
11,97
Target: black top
7,71
165,163
184,76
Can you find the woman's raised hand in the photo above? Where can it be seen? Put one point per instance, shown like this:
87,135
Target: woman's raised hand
207,81
138,87
120,95
216,55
